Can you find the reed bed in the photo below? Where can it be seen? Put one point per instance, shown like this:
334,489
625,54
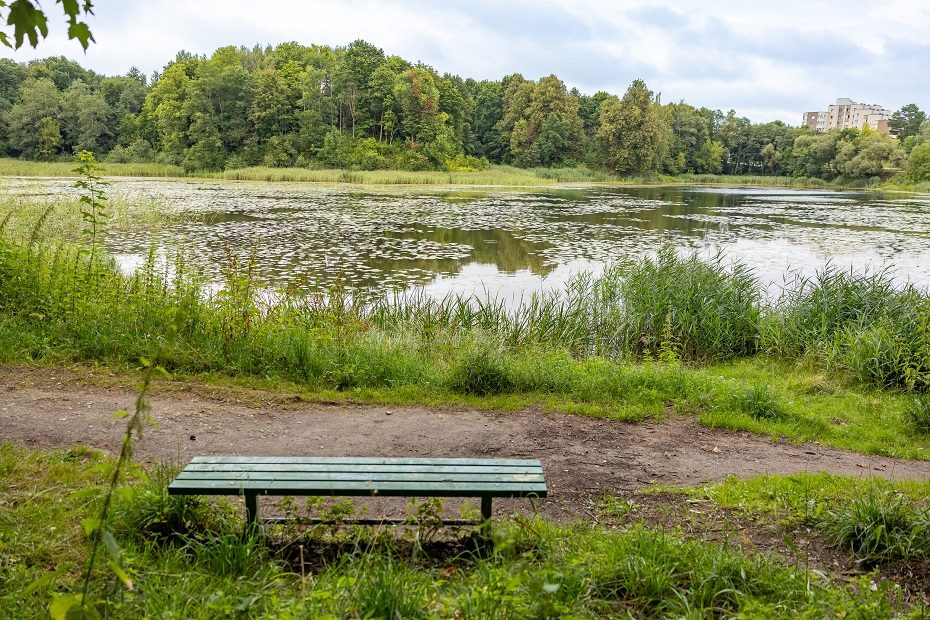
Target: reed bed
10,167
494,176
665,307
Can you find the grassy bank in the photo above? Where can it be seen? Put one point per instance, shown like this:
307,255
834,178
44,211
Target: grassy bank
495,175
187,558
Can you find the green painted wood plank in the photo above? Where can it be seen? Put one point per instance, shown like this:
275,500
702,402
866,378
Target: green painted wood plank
366,460
360,476
365,468
421,489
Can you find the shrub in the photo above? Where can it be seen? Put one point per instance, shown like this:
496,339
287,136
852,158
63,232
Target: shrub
918,164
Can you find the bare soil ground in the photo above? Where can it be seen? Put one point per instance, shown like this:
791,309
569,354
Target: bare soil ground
583,458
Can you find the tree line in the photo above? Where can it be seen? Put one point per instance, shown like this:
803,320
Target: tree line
356,107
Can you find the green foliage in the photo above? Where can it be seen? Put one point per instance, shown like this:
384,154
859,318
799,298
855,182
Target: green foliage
139,151
918,164
48,139
630,129
539,122
29,21
847,154
709,158
712,311
355,108
94,210
907,121
39,99
206,151
861,322
146,513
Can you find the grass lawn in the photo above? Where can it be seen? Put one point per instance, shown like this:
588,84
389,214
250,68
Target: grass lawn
186,558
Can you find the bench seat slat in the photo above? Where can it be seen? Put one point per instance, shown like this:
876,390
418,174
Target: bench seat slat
412,477
351,460
322,487
361,468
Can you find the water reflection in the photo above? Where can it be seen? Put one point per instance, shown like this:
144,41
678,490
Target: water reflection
509,241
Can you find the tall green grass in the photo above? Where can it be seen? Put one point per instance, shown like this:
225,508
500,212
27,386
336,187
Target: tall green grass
60,218
495,175
860,322
746,179
666,307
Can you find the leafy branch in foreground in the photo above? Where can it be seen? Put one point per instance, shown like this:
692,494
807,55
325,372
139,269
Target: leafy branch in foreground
29,21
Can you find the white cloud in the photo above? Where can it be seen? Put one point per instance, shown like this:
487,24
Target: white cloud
772,60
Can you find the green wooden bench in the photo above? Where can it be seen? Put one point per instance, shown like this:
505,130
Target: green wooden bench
251,476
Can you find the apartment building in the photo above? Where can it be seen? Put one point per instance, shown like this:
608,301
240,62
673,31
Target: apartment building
847,114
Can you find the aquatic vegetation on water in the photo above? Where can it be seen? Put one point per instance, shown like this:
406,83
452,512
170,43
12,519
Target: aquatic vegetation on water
504,242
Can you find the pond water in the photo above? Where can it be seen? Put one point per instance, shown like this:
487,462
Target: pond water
507,242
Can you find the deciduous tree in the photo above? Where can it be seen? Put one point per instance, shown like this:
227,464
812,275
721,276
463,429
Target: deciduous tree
629,131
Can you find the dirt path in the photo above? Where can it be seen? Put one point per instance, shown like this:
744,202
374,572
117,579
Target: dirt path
582,457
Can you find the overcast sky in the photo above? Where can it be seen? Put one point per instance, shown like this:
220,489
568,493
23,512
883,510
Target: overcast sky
771,60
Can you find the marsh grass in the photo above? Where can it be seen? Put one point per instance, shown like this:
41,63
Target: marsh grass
497,175
534,568
10,167
708,309
858,321
60,218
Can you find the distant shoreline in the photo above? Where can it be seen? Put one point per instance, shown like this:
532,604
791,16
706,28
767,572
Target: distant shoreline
495,176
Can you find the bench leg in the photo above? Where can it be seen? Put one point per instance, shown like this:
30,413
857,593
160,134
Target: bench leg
251,509
485,508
